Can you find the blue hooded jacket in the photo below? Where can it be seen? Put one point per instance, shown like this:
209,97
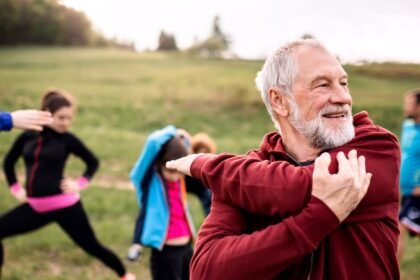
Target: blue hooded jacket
151,191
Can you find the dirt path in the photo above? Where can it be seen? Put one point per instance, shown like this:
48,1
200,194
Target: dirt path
107,181
104,181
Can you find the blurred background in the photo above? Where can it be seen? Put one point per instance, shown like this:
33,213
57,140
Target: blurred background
136,66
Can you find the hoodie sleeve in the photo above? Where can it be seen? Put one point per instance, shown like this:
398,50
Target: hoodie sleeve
268,188
6,121
259,186
224,251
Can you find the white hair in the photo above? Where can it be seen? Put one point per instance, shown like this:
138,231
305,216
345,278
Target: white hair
280,70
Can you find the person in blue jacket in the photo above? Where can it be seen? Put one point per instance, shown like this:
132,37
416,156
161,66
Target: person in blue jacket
410,170
164,222
24,119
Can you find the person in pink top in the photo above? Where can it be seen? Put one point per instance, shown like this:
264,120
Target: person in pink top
48,196
163,223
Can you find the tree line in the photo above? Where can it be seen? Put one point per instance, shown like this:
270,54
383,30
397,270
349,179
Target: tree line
47,22
215,45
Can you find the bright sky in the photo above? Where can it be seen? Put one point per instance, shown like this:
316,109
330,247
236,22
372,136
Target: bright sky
354,30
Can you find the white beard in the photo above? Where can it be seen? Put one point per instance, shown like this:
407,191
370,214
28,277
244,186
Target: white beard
319,134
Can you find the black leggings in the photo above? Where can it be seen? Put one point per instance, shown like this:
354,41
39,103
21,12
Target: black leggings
72,220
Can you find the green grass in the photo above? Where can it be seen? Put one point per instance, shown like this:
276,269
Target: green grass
50,254
122,97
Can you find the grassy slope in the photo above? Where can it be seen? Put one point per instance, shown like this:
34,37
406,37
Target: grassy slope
124,96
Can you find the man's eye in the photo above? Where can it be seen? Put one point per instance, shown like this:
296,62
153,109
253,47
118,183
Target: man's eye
344,83
323,85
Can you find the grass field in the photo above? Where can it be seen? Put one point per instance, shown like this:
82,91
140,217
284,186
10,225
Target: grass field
122,97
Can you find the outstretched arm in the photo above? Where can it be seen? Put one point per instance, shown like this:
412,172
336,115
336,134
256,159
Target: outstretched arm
280,188
24,119
31,119
226,251
259,186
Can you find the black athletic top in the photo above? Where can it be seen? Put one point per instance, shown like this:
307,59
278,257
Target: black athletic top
45,154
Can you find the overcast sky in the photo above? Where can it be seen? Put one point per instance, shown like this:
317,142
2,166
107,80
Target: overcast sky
354,30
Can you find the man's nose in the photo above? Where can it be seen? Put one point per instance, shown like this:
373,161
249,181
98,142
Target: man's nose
340,95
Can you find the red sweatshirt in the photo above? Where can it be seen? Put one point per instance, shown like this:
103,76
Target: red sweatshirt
265,224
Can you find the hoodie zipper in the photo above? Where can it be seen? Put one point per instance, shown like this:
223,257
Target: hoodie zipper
311,267
35,166
311,264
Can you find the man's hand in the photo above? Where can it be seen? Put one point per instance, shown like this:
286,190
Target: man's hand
343,191
31,119
183,164
69,186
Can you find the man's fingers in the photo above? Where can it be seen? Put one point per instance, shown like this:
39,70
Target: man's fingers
354,164
343,164
183,164
366,184
321,165
180,165
35,127
43,120
46,114
362,166
173,164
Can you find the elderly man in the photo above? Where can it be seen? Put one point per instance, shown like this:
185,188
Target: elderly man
269,219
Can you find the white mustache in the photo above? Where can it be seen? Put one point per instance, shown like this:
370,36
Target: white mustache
336,109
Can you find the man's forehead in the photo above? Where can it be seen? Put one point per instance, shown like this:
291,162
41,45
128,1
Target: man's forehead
314,62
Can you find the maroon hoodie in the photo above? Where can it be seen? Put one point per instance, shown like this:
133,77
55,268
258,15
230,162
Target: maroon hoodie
265,224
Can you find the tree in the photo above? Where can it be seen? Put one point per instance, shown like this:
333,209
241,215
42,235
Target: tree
47,22
215,45
166,42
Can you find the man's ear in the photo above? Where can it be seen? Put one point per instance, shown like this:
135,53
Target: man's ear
279,101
